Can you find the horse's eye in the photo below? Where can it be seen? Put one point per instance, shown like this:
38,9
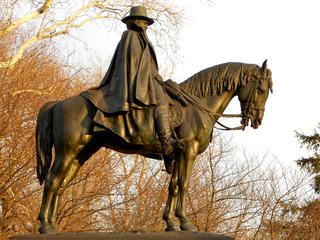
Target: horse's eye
262,86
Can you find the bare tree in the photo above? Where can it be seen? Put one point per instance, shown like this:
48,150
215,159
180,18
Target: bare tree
19,189
236,195
49,19
297,221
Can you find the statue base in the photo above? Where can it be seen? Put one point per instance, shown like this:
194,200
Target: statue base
125,236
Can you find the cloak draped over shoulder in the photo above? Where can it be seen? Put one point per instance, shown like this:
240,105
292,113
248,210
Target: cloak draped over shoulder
128,82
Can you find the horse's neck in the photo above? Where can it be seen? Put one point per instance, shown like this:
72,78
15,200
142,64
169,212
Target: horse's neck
219,103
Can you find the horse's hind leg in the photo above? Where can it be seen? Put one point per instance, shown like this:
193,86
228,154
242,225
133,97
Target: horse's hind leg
69,176
90,148
55,179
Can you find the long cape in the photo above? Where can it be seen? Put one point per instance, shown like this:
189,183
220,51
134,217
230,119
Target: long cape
128,82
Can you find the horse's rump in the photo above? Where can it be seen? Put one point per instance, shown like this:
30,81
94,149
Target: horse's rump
136,126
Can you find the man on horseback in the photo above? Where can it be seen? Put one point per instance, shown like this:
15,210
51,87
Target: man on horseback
133,81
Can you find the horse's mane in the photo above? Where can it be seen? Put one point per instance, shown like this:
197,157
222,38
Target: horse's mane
219,78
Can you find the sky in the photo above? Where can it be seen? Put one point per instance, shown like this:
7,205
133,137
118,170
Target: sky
286,32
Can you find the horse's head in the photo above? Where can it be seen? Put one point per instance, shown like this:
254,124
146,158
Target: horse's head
253,96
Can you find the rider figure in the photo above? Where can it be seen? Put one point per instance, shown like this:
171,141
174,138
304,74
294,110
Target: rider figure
133,80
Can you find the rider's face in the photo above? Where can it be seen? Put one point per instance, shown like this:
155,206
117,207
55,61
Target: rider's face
142,24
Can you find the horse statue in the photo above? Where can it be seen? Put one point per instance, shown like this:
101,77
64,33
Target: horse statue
69,127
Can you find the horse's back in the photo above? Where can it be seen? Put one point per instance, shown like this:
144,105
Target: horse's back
76,107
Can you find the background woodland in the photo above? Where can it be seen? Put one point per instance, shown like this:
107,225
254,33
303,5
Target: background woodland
231,192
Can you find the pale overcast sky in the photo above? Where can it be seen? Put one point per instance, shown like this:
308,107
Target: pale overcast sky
286,32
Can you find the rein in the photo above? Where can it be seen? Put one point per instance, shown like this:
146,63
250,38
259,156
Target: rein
216,116
245,108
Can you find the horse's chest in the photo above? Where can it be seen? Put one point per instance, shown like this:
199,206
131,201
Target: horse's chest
197,126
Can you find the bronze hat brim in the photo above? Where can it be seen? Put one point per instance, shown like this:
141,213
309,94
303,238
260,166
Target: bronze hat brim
131,17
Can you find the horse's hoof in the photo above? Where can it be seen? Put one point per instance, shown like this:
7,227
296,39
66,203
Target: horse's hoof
48,230
188,226
54,227
172,228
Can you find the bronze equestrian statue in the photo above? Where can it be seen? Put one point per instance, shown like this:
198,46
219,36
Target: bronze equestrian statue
119,114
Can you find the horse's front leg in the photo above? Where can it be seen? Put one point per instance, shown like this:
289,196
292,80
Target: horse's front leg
172,196
186,160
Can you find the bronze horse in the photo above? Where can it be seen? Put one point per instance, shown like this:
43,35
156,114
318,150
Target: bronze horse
68,126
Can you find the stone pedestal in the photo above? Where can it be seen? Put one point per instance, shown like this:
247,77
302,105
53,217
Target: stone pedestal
125,236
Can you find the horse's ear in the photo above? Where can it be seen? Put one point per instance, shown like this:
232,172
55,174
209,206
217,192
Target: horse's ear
264,66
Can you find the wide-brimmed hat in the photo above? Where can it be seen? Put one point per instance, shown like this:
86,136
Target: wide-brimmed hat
138,12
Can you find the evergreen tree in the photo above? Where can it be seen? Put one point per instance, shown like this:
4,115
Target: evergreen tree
311,163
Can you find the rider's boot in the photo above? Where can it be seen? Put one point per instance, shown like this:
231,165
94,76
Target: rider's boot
164,132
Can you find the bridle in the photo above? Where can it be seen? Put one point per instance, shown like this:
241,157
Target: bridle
246,107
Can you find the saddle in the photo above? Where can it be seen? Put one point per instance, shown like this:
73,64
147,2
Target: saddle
138,125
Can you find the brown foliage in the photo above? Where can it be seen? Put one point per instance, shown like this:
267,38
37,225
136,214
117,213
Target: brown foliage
296,222
37,78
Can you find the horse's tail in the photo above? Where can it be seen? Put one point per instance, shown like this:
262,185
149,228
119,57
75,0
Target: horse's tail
44,140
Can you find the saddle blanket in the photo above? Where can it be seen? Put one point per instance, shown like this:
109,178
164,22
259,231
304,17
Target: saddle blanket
138,125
